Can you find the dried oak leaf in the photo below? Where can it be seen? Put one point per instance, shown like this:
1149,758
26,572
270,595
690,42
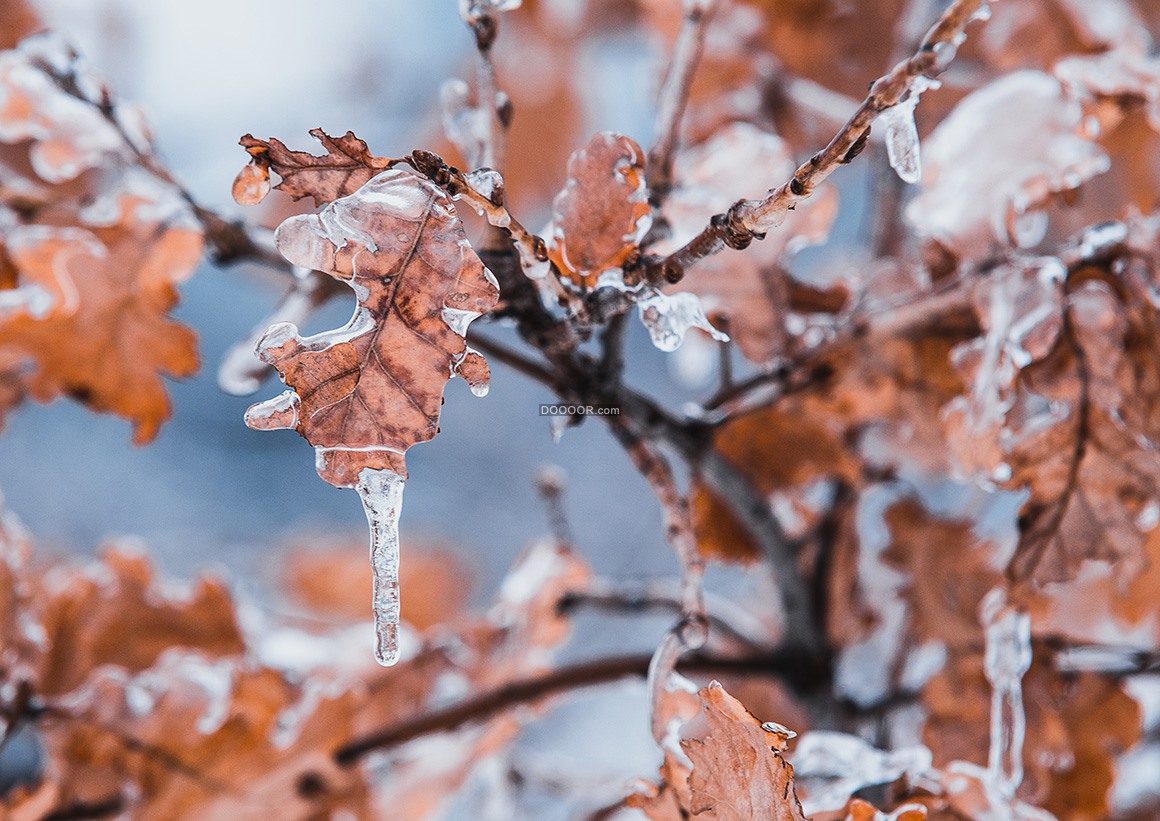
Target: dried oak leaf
94,245
1077,726
1000,154
738,770
365,393
781,452
602,213
194,737
950,572
117,613
1082,428
332,580
346,167
107,338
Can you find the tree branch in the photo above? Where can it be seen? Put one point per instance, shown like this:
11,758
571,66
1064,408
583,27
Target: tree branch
748,220
788,666
674,96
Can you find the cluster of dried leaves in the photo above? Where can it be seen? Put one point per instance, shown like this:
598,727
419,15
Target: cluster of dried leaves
959,408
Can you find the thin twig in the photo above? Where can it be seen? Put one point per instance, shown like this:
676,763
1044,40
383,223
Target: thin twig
748,220
573,677
725,617
674,96
652,465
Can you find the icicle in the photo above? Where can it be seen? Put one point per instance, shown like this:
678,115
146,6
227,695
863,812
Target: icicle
669,317
902,147
1007,659
381,492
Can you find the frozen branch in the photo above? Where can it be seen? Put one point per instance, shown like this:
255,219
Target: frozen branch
748,220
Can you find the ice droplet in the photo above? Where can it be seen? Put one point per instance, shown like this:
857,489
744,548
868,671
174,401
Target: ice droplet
668,318
902,147
1007,658
381,492
279,413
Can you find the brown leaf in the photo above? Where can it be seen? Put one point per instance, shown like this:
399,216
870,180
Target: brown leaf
118,614
332,580
603,211
780,452
346,167
979,179
950,572
367,392
1077,725
92,259
193,737
738,772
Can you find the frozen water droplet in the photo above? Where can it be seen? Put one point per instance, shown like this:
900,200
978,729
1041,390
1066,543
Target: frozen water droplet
902,146
279,413
459,320
1029,228
557,425
381,492
669,317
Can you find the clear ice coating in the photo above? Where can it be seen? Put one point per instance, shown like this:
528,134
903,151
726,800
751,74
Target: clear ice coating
902,146
1007,658
843,764
669,317
381,492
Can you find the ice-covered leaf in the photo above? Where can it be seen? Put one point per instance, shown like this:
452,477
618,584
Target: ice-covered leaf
208,738
363,394
347,165
999,155
67,134
1020,308
1077,726
119,613
739,772
94,243
110,280
366,392
603,211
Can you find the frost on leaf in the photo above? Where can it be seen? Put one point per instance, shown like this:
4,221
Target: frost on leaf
746,287
347,165
93,245
603,211
1077,431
